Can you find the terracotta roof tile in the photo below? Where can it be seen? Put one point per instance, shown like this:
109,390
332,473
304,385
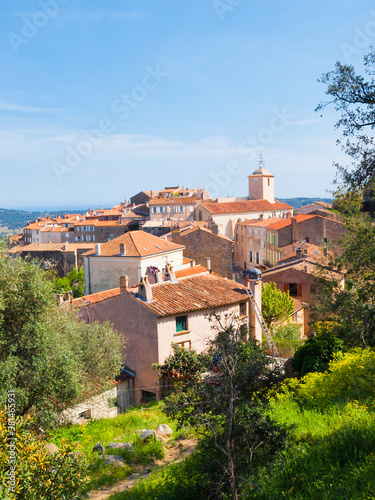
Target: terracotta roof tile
260,223
96,297
195,293
175,200
200,228
137,244
244,206
190,271
287,222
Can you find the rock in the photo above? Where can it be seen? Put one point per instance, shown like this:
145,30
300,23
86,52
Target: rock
98,448
148,433
51,448
114,460
164,430
120,446
140,431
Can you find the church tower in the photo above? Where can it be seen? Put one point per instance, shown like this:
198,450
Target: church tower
261,184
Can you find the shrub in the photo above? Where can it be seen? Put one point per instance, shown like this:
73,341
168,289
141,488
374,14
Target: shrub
38,474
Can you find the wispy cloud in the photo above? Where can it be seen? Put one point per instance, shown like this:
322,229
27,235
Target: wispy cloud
11,106
119,16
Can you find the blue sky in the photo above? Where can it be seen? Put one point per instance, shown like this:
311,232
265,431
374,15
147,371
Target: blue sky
99,100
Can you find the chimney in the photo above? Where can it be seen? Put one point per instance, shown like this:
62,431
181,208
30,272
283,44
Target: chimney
169,274
299,252
122,249
213,227
209,264
97,248
124,283
175,232
261,216
144,290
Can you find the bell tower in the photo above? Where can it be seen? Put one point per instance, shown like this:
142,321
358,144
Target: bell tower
261,183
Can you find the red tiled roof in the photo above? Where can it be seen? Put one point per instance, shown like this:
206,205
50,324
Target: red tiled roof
195,293
289,251
287,222
190,271
137,244
175,200
260,223
96,297
245,206
52,247
200,228
107,294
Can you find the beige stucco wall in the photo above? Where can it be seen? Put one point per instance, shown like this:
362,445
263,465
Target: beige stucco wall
262,188
227,222
103,273
199,330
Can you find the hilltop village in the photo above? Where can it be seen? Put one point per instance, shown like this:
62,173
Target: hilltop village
156,265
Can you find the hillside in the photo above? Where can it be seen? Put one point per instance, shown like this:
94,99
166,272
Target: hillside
15,220
298,202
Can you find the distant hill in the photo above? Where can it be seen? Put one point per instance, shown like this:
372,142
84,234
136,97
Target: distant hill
15,220
297,202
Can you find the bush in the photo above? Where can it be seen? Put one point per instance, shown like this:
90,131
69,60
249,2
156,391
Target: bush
318,351
38,474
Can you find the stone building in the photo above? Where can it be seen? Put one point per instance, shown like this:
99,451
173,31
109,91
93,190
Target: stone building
63,257
201,243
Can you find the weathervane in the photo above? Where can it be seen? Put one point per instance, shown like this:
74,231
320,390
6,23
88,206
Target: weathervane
261,161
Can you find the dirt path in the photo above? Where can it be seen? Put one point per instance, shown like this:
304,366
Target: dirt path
173,453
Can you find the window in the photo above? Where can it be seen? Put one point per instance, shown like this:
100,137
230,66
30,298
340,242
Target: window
78,228
250,256
175,209
200,216
85,414
88,238
168,209
147,396
296,317
257,257
161,209
293,289
154,210
268,181
242,309
181,323
93,237
185,345
182,208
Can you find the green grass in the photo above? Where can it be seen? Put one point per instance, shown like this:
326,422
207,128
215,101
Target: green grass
331,452
119,429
